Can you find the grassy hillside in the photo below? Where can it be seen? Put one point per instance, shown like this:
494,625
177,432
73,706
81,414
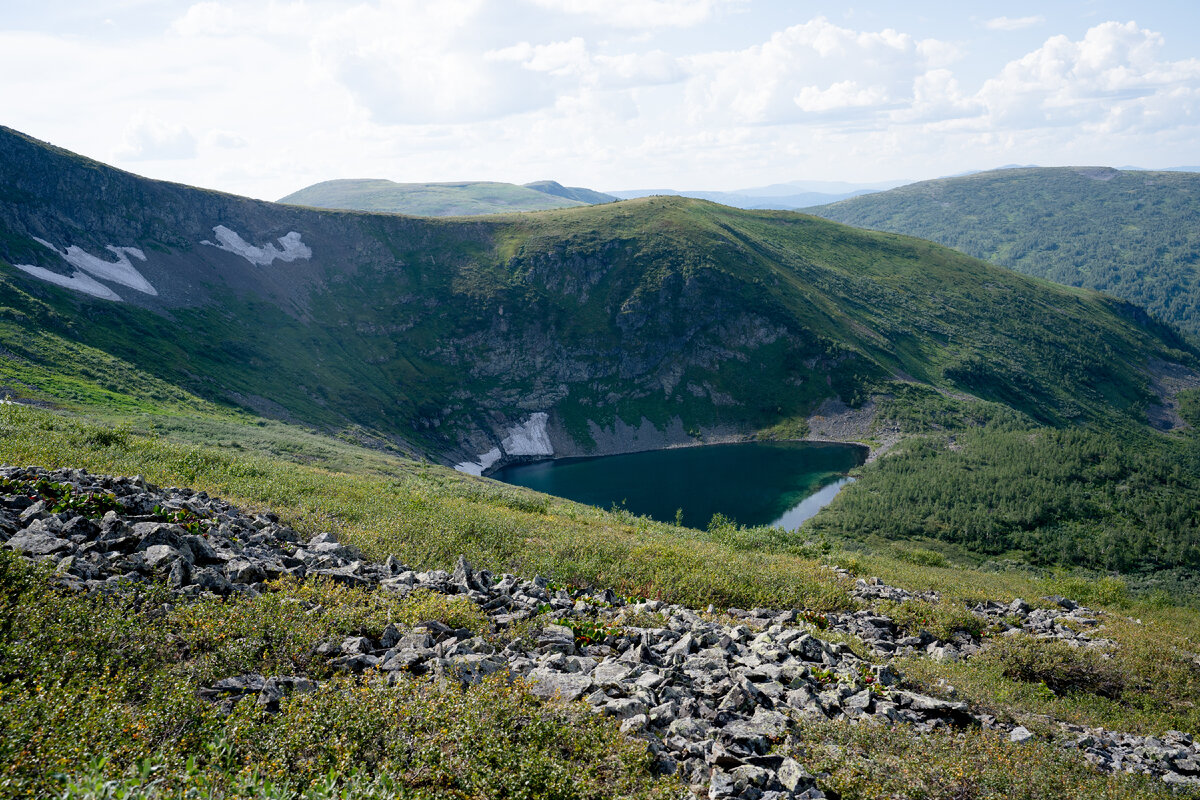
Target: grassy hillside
1131,234
432,337
589,196
463,199
128,693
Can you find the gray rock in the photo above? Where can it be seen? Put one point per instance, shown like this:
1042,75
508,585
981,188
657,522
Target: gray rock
38,544
793,776
1020,734
565,685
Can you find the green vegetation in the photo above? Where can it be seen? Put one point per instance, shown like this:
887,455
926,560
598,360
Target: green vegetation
429,199
1006,488
426,332
93,688
556,189
866,762
1129,233
1024,466
1058,666
427,515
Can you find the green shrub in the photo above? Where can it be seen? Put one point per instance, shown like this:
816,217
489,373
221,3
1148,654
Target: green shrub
868,762
943,619
1057,665
921,557
1108,590
99,698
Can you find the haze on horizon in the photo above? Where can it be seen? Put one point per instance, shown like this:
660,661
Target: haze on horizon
266,96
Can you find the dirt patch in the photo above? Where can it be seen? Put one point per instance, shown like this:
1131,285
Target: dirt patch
1167,380
834,421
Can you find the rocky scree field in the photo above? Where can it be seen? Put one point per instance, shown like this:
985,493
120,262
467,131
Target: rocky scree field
725,704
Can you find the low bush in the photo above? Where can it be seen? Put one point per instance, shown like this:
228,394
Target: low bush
868,762
943,619
1056,664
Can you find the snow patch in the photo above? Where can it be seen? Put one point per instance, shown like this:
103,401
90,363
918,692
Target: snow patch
485,461
120,271
76,281
530,439
292,248
490,457
527,439
87,265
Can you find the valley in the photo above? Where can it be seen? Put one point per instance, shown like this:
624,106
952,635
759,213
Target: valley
350,376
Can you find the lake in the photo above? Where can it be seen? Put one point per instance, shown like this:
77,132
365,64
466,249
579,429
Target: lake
754,483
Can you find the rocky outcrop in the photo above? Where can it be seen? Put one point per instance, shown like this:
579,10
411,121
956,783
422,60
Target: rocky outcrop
710,694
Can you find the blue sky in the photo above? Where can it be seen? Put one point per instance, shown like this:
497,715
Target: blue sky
262,97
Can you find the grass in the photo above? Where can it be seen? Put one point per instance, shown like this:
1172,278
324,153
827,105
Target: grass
100,689
868,762
427,515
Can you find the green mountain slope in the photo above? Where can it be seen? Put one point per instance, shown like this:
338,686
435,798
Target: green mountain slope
662,308
1132,234
642,323
589,196
468,198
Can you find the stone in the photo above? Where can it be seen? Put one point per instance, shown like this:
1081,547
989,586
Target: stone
38,544
1020,734
563,685
210,580
793,776
859,701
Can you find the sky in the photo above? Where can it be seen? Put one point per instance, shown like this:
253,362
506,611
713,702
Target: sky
264,97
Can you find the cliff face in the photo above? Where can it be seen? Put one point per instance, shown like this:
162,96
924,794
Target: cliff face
646,321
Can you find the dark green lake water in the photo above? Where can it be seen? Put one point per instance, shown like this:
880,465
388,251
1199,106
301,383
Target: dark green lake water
755,483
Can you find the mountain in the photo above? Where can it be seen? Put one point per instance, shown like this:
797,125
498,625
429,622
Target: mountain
607,328
780,196
556,189
779,202
1133,234
463,199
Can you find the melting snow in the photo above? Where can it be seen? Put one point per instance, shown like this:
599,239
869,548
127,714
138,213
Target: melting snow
486,460
77,281
120,271
230,241
530,439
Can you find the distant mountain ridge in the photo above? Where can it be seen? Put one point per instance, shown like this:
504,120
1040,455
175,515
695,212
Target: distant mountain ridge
455,199
778,196
1131,233
577,193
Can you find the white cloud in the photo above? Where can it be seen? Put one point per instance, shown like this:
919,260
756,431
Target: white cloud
266,96
641,14
148,138
209,19
841,95
225,139
1112,80
815,67
1014,23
